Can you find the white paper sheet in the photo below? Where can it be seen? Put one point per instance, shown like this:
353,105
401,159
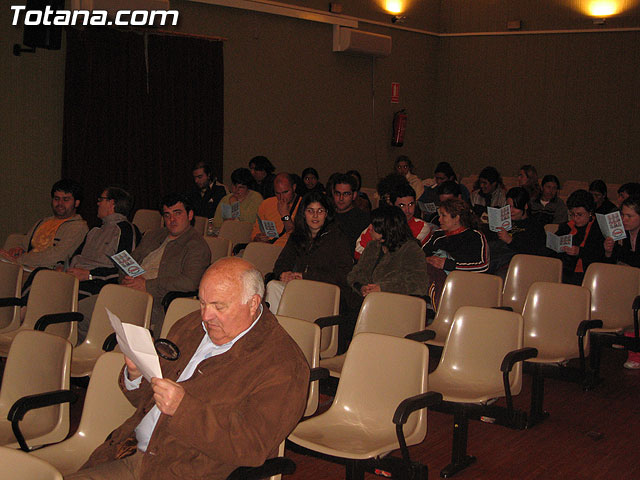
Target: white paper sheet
137,344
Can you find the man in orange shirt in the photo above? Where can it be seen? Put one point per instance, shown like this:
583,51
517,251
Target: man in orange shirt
53,240
279,209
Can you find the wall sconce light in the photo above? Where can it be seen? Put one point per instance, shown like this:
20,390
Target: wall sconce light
398,19
394,6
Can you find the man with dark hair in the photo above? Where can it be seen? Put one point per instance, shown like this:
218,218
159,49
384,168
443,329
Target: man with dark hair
174,257
404,197
631,189
53,240
206,192
352,221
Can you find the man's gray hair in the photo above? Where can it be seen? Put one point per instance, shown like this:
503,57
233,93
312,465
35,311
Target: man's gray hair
253,284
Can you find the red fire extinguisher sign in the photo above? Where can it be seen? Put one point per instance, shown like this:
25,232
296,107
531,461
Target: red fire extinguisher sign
395,92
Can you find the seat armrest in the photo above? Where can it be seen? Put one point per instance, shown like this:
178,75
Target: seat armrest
12,302
273,466
31,402
330,321
318,373
505,308
51,318
515,356
171,296
411,404
586,325
422,335
110,342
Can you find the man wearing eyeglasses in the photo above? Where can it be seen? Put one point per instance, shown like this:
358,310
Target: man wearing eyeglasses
352,220
404,197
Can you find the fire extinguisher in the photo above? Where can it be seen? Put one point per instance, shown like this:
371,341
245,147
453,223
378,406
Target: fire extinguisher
399,126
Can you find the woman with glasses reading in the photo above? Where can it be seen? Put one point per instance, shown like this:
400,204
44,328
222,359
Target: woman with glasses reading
316,250
587,242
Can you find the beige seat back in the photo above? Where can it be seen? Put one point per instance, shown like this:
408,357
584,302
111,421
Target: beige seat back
236,231
147,220
391,314
200,224
552,313
464,289
613,288
10,287
129,305
379,372
262,255
523,271
38,362
220,247
53,292
307,337
309,300
105,408
179,308
469,369
19,465
15,240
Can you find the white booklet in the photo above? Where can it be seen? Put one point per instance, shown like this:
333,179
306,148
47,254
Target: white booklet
611,225
128,265
555,242
137,344
230,211
499,218
268,228
428,207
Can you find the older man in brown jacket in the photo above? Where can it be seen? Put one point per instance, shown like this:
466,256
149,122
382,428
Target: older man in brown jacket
207,417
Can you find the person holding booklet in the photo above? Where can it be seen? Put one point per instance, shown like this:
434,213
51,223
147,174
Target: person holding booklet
237,389
525,235
625,251
248,201
587,242
277,213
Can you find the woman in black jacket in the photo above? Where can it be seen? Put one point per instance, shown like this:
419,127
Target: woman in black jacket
316,250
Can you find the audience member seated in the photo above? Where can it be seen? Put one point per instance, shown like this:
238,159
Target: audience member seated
262,171
54,239
389,184
587,243
528,179
444,191
311,181
249,201
352,220
628,190
206,192
526,235
548,207
625,251
280,210
488,191
230,399
316,250
598,189
361,200
403,197
404,167
174,257
457,245
391,262
442,173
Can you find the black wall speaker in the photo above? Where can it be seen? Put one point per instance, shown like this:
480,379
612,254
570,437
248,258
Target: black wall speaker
43,36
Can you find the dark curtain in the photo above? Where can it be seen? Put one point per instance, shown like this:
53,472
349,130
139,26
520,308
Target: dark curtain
139,111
